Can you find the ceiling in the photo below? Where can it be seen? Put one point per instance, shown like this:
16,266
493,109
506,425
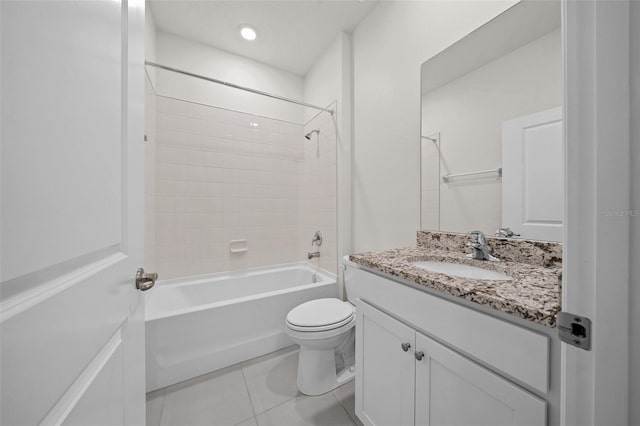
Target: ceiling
292,34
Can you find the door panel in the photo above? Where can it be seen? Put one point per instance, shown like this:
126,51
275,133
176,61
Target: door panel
385,377
62,126
71,321
452,390
533,175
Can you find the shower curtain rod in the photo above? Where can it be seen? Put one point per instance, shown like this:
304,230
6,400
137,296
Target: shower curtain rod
235,86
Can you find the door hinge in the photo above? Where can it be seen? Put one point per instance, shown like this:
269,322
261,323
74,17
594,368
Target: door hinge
574,330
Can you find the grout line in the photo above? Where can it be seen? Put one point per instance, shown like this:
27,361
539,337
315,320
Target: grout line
282,403
164,395
246,388
254,418
345,408
342,405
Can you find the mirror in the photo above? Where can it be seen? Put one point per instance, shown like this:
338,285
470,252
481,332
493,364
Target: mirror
491,141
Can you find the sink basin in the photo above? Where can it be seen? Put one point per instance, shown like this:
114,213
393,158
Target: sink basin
463,271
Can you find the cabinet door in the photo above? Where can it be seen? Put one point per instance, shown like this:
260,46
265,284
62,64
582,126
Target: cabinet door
454,391
385,371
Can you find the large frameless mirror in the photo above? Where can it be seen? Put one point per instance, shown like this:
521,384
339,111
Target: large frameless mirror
492,141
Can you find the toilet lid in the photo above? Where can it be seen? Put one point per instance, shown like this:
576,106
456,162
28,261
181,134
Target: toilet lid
320,313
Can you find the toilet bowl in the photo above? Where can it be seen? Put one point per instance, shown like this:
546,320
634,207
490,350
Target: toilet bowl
324,329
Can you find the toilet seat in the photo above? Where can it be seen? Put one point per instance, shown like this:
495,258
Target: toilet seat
320,315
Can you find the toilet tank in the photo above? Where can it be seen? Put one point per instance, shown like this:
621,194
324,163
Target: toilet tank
352,280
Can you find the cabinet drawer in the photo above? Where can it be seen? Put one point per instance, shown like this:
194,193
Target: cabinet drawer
513,350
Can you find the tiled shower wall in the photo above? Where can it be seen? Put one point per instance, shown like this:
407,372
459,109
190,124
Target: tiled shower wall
319,192
223,175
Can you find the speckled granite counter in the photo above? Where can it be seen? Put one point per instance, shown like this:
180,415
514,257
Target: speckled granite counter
535,268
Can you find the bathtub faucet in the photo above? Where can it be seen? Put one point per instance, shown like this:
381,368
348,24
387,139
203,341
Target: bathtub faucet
313,254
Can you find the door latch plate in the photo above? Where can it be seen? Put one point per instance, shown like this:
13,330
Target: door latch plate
574,330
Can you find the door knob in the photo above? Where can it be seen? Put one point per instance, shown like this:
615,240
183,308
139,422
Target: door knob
405,346
419,355
145,280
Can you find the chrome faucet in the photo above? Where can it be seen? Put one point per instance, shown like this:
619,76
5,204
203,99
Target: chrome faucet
313,254
479,248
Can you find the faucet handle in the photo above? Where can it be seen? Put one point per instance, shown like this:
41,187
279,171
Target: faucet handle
317,239
506,233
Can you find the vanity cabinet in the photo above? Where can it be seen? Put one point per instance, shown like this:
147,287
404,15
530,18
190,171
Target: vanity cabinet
404,377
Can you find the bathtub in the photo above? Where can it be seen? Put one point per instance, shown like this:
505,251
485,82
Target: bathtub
200,324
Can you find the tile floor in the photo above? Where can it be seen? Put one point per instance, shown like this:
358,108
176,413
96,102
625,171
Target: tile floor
259,392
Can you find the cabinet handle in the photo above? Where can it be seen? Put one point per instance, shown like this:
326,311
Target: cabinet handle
419,355
405,346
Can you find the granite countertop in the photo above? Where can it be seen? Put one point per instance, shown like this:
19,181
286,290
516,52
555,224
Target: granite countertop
533,293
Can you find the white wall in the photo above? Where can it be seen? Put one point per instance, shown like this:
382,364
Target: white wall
329,82
634,306
469,112
150,36
211,62
389,46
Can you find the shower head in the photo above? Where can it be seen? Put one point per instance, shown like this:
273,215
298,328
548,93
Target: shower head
308,135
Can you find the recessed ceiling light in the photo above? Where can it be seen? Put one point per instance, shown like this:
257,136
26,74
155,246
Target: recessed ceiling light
247,32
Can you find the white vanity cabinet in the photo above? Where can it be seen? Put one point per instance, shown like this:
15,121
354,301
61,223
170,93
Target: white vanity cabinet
406,378
426,360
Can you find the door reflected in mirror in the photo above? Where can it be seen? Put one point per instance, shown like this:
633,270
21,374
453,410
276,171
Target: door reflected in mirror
491,141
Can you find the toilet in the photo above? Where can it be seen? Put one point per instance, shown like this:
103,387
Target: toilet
325,331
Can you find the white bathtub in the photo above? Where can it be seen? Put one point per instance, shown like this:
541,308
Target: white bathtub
200,324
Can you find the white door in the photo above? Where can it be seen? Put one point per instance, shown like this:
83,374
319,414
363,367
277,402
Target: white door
596,263
451,390
385,377
533,175
71,321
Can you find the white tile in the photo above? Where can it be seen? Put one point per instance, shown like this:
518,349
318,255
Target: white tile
271,380
176,107
215,174
196,126
161,120
196,157
215,159
307,411
154,408
171,155
219,398
197,173
171,137
161,104
195,111
177,123
171,172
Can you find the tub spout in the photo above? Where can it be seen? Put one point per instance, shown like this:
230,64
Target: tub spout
313,254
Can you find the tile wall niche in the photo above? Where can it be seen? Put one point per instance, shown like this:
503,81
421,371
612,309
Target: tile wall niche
223,175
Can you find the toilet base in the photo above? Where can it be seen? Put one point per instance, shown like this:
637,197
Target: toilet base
317,371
